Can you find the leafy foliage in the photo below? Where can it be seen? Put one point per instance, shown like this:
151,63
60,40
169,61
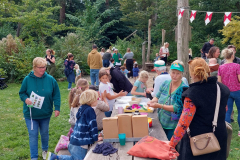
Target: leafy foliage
231,32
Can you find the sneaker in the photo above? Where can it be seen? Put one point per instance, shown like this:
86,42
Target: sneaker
44,154
69,89
238,133
51,156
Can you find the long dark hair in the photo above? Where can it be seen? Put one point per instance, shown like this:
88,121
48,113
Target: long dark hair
70,55
212,51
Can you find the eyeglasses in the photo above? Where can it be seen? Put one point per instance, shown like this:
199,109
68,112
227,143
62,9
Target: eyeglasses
42,67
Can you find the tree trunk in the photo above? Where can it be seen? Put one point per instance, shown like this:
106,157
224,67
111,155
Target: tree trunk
182,41
163,36
149,40
18,29
107,4
143,55
62,11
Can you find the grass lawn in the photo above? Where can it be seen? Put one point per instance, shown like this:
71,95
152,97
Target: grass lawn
14,135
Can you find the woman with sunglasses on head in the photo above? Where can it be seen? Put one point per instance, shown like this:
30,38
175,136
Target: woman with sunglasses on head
39,91
198,113
165,101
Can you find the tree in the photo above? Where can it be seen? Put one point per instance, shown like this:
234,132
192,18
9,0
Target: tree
231,32
35,17
90,22
137,13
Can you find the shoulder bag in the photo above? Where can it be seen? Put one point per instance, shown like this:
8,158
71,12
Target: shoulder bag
207,142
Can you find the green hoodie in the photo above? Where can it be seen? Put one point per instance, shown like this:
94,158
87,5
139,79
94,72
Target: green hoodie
45,86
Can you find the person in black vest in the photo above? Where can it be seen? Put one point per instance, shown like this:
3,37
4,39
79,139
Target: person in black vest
51,67
206,47
198,112
119,81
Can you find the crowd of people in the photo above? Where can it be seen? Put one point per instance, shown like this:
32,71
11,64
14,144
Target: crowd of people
180,106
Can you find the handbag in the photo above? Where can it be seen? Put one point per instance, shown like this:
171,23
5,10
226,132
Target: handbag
207,142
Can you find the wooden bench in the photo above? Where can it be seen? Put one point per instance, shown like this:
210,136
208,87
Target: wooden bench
149,66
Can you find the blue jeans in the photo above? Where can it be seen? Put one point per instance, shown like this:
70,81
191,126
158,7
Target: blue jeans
69,85
108,114
105,63
234,96
94,76
169,133
77,153
43,125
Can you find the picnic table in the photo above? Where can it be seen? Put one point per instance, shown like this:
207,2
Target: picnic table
155,131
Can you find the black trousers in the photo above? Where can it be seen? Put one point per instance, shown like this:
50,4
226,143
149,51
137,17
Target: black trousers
129,65
165,60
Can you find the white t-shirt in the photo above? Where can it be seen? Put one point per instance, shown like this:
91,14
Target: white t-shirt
164,50
108,88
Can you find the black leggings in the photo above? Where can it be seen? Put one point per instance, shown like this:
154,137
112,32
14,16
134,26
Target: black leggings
165,60
129,65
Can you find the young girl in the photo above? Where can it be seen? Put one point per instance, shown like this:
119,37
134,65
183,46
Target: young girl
105,86
85,132
73,99
78,73
140,86
135,71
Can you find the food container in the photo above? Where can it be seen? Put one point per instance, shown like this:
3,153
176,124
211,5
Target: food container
149,122
133,102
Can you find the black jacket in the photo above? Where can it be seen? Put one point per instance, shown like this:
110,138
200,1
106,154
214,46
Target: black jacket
203,95
206,47
119,81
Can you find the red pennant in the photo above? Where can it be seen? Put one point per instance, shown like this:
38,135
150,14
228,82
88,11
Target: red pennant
227,17
180,14
208,17
193,15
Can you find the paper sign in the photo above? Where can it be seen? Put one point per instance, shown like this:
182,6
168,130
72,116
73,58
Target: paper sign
37,100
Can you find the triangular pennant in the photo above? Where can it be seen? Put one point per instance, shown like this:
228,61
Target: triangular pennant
193,15
181,11
227,18
208,17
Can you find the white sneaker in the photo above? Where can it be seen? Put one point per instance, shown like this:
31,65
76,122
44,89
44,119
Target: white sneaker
44,154
48,155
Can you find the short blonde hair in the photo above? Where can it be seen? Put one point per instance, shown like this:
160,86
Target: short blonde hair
39,61
143,74
88,97
76,66
180,62
227,53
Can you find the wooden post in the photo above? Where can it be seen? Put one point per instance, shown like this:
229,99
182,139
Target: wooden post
149,40
143,55
163,36
183,38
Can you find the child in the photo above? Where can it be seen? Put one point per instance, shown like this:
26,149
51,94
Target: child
105,86
135,71
213,65
140,86
73,99
157,57
85,131
78,73
124,71
111,63
101,107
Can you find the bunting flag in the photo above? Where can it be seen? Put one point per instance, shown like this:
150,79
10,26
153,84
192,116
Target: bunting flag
227,18
193,15
208,17
181,11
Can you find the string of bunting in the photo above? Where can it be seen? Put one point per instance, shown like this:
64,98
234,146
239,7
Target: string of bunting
208,18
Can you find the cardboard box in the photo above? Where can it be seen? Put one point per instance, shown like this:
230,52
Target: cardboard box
110,127
140,126
125,124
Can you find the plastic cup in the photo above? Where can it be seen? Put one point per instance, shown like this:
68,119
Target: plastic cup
122,138
120,110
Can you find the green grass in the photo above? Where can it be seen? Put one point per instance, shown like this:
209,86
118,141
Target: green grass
14,135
